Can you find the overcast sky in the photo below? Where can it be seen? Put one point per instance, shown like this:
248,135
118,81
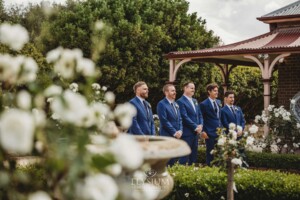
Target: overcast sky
232,20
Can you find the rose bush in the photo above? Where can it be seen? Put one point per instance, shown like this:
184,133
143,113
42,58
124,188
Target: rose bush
284,130
72,127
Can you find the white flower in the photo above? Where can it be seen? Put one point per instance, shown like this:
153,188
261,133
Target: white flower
99,25
39,117
39,146
86,67
17,131
278,140
298,125
96,86
73,108
270,107
98,186
232,142
29,71
239,128
54,55
276,114
114,169
263,145
221,141
257,118
39,195
186,195
250,141
285,146
253,129
293,101
124,113
110,97
232,126
24,100
212,152
53,90
15,36
110,128
74,87
236,161
104,88
127,152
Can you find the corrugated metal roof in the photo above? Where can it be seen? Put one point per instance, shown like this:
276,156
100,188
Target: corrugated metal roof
276,41
291,9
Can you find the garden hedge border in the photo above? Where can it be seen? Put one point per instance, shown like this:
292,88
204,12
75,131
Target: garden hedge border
286,162
209,183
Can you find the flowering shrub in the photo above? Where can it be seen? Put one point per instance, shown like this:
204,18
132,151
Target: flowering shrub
72,127
230,148
284,130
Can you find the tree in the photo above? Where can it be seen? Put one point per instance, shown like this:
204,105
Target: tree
142,32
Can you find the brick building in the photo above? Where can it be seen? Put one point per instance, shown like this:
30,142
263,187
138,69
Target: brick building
278,49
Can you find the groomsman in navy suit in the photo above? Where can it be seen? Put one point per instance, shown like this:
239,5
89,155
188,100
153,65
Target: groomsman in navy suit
169,116
142,123
232,114
192,122
211,112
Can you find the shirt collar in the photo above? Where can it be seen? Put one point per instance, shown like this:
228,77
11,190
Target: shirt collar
170,101
189,98
140,98
211,100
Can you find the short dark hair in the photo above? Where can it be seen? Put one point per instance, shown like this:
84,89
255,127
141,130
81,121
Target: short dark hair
229,92
166,87
137,85
187,83
211,86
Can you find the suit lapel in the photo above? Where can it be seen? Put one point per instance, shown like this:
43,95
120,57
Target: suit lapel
140,104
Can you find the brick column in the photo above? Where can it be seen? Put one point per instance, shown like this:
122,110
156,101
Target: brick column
288,79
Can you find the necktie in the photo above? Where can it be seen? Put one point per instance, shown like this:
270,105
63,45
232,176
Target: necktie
172,104
215,107
231,108
146,108
191,101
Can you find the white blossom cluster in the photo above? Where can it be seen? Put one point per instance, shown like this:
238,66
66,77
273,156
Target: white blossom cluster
229,144
279,113
20,125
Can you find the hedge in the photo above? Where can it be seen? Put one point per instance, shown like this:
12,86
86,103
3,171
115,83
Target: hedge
287,162
209,183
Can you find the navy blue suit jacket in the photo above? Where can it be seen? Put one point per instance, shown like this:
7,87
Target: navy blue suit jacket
190,118
142,124
228,117
170,122
211,120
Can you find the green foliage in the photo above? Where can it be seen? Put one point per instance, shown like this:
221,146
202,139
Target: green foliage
210,183
142,32
283,162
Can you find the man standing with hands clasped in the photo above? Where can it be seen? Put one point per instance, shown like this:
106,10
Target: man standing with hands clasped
192,122
169,116
211,109
232,114
142,123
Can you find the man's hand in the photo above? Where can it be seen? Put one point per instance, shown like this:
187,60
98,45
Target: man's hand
178,134
204,135
199,129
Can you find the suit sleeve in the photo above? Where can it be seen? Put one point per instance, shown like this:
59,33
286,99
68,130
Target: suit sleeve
224,120
200,116
135,127
201,107
185,118
162,114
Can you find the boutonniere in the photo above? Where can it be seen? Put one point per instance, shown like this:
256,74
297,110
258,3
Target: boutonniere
195,102
149,105
236,109
220,104
176,105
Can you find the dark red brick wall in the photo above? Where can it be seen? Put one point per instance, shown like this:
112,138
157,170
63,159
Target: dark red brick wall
288,79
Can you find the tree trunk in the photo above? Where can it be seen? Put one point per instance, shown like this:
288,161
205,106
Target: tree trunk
230,173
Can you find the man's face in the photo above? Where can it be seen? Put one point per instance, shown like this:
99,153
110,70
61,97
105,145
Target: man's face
142,91
213,94
189,90
230,99
171,93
